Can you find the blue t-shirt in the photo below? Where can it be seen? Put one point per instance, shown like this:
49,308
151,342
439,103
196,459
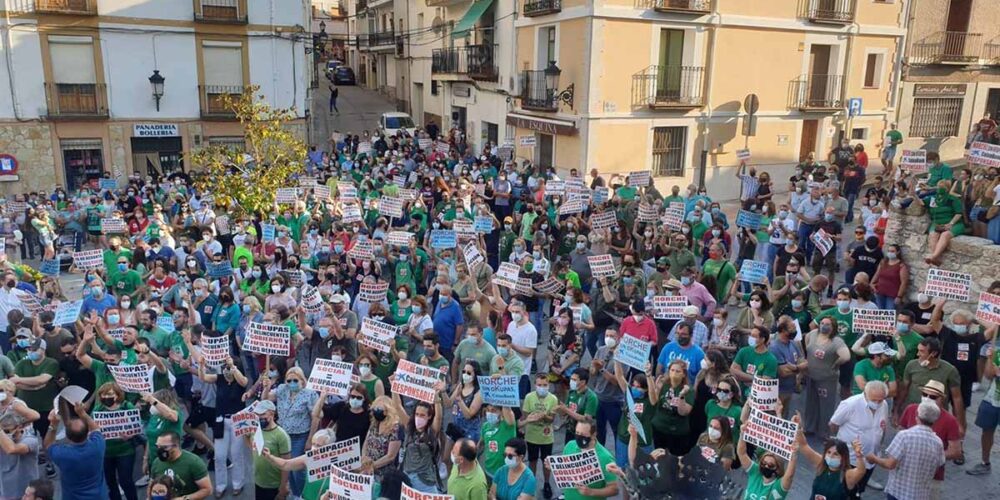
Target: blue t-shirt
789,353
106,302
81,468
226,317
693,355
524,484
447,319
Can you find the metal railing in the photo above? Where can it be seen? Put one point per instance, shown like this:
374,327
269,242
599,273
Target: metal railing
87,7
830,11
816,92
77,100
691,6
212,100
535,92
534,8
991,52
380,39
947,47
223,11
669,86
476,61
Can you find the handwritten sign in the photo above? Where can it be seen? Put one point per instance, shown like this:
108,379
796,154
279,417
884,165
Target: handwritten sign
914,160
344,454
771,433
754,271
68,312
390,206
507,275
88,260
984,153
312,301
823,241
332,376
764,393
500,391
633,352
639,179
377,335
264,338
119,424
132,378
988,309
570,471
874,321
373,292
669,306
284,196
442,239
603,220
245,422
415,381
601,266
473,257
113,225
215,349
748,219
948,284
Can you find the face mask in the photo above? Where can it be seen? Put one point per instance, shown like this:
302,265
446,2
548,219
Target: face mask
198,292
356,402
752,341
828,217
843,305
714,434
872,405
833,462
925,399
276,288
825,329
542,391
902,327
420,422
510,462
158,497
890,255
516,317
685,280
293,385
104,401
685,229
162,453
610,341
582,441
122,267
272,373
492,418
960,329
379,414
114,319
768,472
716,233
782,214
796,303
755,304
34,355
637,393
96,291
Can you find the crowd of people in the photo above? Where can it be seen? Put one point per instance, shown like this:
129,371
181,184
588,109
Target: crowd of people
862,401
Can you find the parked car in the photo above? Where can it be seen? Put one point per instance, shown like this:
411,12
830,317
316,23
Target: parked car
332,66
392,122
344,76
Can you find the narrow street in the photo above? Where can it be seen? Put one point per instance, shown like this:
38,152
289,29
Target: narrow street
359,110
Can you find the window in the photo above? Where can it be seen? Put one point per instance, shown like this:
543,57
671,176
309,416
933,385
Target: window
545,150
72,59
235,142
668,151
434,87
936,117
874,68
859,134
546,46
491,133
223,63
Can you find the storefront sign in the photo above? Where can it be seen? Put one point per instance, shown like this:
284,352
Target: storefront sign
155,130
939,90
462,91
544,126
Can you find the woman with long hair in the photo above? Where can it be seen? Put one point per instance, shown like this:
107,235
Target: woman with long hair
716,442
672,396
466,401
565,350
714,367
422,442
835,476
767,477
380,451
727,403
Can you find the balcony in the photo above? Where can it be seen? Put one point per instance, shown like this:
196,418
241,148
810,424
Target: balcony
478,62
213,105
681,6
669,87
534,8
385,40
535,92
374,4
829,11
947,47
816,93
77,100
75,7
220,11
991,52
443,3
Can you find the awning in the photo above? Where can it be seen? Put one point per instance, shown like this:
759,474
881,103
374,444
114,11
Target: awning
471,17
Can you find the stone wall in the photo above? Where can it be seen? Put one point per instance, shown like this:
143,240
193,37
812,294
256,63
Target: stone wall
31,144
967,254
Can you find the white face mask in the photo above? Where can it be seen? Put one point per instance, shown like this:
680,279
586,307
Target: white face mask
610,341
714,434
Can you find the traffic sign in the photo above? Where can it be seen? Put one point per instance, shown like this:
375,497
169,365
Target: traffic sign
854,106
751,104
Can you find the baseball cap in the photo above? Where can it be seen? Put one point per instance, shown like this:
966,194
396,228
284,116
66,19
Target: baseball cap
934,387
508,219
263,406
38,343
690,311
337,298
23,333
881,348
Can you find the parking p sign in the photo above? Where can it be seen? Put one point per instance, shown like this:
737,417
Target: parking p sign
854,106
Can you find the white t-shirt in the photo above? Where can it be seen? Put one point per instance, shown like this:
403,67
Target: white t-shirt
856,421
524,336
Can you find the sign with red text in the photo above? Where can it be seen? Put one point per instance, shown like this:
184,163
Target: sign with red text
245,422
948,285
346,485
764,393
377,335
390,206
373,292
507,275
570,471
264,338
984,153
874,321
344,454
362,250
132,378
412,494
601,266
603,220
87,260
215,350
415,381
669,306
771,433
914,160
988,309
331,376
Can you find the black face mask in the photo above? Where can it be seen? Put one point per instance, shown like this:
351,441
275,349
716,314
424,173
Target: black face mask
683,340
768,472
582,441
379,414
108,401
163,454
11,283
264,423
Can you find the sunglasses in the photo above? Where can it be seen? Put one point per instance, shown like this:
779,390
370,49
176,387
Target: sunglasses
935,397
510,455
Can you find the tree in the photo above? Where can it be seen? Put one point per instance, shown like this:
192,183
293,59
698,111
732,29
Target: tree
246,180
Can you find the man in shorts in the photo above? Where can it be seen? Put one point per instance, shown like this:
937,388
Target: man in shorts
988,415
538,413
892,139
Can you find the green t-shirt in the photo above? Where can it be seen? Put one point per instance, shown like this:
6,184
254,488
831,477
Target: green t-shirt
645,411
157,426
724,274
605,458
667,419
242,251
185,471
910,340
757,490
471,486
126,283
583,404
265,474
539,432
917,376
158,338
756,364
482,353
527,220
39,400
734,412
111,259
494,438
626,193
895,137
115,447
845,323
869,372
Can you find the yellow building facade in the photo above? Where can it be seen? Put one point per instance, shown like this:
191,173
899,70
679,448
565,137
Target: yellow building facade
660,84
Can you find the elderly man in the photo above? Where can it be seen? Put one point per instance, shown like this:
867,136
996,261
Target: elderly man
864,417
946,427
913,456
699,332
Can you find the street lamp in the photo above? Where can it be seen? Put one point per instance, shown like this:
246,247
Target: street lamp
552,73
156,81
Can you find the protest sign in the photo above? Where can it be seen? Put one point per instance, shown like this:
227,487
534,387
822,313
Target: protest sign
107,184
633,352
507,275
307,181
132,378
166,322
50,268
764,393
425,143
647,213
268,232
583,194
331,376
988,309
373,292
312,301
984,153
68,312
412,494
473,257
345,454
442,147
749,187
30,302
570,207
219,269
88,260
550,286
117,334
245,422
362,250
215,350
555,188
603,220
119,424
390,206
633,417
823,241
602,194
399,180
500,391
350,211
524,287
399,238
948,284
601,266
914,160
874,321
346,485
408,194
669,306
570,471
113,225
264,338
364,147
284,196
415,381
771,433
748,219
639,179
442,239
464,228
673,218
321,192
754,271
347,191
377,335
483,224
743,155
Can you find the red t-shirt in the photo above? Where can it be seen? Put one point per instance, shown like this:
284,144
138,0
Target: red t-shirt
161,286
644,331
946,428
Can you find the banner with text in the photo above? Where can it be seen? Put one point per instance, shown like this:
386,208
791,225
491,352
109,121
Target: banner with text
570,471
948,285
264,338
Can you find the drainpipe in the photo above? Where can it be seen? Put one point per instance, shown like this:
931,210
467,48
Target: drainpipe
706,91
897,71
852,32
8,58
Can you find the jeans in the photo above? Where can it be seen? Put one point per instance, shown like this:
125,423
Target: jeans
232,448
885,301
297,479
608,412
621,452
118,471
421,486
804,242
851,198
772,253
